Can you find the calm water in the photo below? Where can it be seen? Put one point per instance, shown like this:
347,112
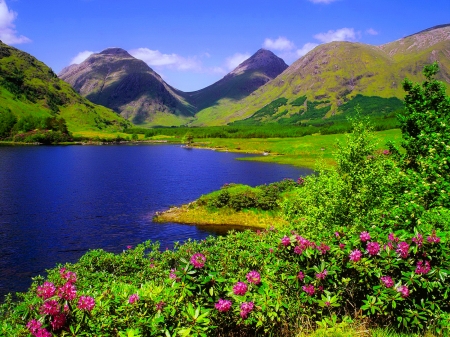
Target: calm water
58,202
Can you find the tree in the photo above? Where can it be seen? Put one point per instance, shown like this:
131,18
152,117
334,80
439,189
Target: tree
425,125
188,138
7,122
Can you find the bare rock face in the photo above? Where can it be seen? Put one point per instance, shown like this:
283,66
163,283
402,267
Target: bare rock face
115,79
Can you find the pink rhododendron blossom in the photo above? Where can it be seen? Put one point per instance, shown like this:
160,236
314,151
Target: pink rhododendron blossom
323,248
300,181
386,152
246,308
129,247
240,288
364,236
133,298
403,290
336,234
223,305
58,321
69,276
433,238
86,303
355,255
198,260
373,248
327,303
423,267
160,305
418,240
322,274
341,246
271,250
43,333
298,250
50,307
300,276
254,277
388,282
46,290
172,274
309,289
403,249
68,291
285,241
33,326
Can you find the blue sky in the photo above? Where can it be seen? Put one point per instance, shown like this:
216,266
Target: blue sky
193,43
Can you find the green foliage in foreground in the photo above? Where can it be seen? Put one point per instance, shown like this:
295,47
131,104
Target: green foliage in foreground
358,243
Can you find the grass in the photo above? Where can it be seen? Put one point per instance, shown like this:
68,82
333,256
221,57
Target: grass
201,215
303,151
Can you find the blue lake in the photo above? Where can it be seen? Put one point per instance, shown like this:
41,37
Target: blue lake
57,202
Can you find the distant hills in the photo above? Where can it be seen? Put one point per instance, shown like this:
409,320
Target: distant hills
116,79
29,87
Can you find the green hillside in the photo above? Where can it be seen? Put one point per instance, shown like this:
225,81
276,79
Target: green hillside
29,88
336,75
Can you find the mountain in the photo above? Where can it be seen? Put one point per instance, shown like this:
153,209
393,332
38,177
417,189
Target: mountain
29,87
251,74
329,80
117,80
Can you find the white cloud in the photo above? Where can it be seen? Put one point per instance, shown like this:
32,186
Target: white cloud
322,1
343,34
306,48
281,43
8,34
155,58
371,31
81,56
235,60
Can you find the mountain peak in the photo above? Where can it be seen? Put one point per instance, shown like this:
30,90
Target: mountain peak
263,60
115,52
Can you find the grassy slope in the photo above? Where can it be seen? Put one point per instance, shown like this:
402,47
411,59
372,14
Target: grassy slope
337,71
28,86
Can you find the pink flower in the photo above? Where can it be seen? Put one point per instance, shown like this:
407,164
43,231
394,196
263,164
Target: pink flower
327,303
300,276
68,291
198,260
322,275
423,268
133,298
336,234
298,250
254,277
46,290
300,181
43,333
129,247
418,240
386,152
389,245
403,290
223,305
433,238
58,321
285,241
160,305
271,250
391,237
246,308
309,289
373,248
240,288
86,303
355,255
172,274
69,276
402,249
323,248
33,326
304,243
364,236
341,246
50,307
388,282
